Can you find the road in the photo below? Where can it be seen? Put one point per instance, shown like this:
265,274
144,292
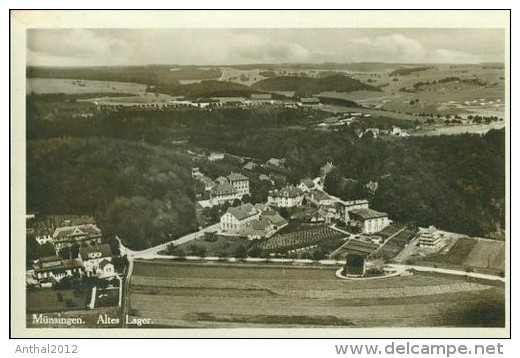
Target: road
152,252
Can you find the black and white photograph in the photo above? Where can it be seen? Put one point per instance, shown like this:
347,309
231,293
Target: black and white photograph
182,179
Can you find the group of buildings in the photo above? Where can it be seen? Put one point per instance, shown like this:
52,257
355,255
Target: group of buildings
94,258
222,189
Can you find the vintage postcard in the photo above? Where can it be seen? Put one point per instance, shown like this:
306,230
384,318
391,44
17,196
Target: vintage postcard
217,174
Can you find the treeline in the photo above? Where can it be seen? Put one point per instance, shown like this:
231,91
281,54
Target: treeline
150,75
140,192
305,86
407,71
206,89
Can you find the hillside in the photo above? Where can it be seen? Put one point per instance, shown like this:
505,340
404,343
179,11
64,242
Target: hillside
308,86
141,192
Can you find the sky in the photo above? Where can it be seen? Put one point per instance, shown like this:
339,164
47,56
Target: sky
114,47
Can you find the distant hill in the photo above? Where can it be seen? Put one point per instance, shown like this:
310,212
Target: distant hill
309,86
407,71
148,75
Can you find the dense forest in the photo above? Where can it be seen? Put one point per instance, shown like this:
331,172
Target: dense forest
305,86
141,192
122,168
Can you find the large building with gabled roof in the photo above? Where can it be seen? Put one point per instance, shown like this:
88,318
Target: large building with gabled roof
236,218
287,197
369,221
80,234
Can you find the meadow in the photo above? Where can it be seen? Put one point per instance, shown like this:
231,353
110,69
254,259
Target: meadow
247,295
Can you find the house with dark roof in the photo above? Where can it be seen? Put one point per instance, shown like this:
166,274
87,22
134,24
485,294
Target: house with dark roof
306,185
369,221
236,218
249,166
276,220
287,197
52,269
87,234
221,193
276,163
321,198
93,256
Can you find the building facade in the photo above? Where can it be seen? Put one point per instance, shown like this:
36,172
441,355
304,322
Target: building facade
287,197
237,218
93,256
240,183
368,221
52,269
88,234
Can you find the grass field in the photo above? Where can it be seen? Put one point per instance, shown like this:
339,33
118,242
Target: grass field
246,295
471,253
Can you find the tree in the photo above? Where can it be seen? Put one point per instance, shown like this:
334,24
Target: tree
197,250
255,251
241,252
246,199
318,254
70,251
284,213
236,202
119,263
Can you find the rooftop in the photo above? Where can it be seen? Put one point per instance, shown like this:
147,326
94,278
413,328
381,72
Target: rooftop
288,192
104,249
223,189
320,195
64,233
308,183
366,214
243,211
236,177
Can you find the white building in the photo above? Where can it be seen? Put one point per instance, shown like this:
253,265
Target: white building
96,260
236,218
52,269
221,193
286,197
239,182
306,185
80,234
215,156
429,237
369,221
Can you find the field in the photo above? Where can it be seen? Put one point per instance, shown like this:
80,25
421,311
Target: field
48,300
51,85
299,239
244,295
473,90
395,245
471,253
